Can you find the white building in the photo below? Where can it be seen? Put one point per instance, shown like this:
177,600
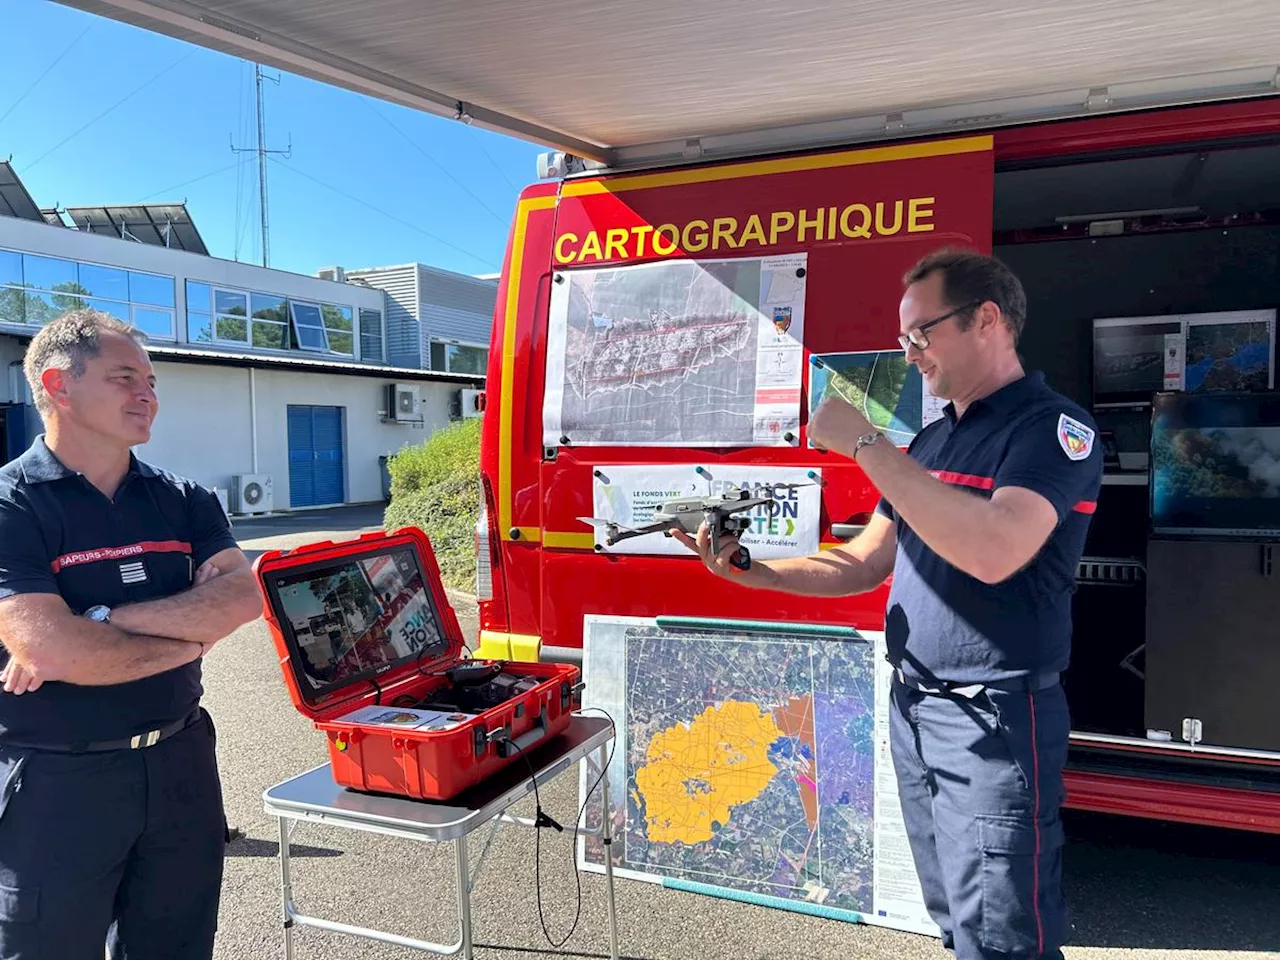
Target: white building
268,381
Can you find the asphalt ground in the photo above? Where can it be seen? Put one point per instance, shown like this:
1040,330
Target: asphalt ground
1138,890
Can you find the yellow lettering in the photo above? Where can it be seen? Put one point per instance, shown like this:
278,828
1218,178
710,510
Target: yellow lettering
694,237
590,247
723,228
863,229
641,233
916,210
675,239
616,239
897,219
781,221
561,256
754,230
819,224
831,220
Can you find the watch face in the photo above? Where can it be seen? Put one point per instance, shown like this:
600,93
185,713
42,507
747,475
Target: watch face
99,613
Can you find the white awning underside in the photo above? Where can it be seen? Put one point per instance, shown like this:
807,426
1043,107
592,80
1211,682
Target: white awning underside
631,82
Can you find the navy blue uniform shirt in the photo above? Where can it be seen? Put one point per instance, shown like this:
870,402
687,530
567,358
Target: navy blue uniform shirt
60,534
941,623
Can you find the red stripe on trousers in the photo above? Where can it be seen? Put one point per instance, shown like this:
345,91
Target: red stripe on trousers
99,554
1035,873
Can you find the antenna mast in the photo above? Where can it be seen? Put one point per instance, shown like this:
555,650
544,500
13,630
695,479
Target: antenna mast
262,151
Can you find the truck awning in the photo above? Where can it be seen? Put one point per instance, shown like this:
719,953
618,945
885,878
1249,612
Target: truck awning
630,84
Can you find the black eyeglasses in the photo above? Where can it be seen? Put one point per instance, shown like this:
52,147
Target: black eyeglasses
916,337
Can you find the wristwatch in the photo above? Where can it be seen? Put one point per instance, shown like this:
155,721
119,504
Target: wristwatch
866,441
99,614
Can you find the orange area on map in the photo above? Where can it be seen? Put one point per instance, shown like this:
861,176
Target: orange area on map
796,720
696,773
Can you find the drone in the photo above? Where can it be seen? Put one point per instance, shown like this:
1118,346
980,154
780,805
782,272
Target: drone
720,514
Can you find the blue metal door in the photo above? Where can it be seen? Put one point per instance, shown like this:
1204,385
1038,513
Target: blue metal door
315,456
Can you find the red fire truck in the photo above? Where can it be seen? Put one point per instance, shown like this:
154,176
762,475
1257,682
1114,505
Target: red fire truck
1117,226
1121,158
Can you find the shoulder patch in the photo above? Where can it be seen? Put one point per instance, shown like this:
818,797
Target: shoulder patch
1074,437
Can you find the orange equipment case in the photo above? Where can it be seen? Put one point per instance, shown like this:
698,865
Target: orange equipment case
364,627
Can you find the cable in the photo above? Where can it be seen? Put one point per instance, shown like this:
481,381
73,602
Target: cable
24,94
443,169
118,103
389,216
542,820
187,183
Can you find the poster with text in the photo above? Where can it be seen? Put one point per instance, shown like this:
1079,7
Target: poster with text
677,353
631,495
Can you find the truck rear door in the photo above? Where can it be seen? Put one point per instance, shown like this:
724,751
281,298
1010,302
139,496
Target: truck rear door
692,318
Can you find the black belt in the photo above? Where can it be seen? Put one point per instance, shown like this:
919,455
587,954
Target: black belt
1029,684
140,741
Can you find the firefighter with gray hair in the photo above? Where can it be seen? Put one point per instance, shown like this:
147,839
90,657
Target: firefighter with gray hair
116,578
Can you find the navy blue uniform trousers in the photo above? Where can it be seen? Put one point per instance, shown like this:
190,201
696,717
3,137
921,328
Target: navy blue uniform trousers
122,848
981,787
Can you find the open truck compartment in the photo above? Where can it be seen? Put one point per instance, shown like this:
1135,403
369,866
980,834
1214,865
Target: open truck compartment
1154,276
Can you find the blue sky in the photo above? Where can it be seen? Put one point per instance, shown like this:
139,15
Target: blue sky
449,190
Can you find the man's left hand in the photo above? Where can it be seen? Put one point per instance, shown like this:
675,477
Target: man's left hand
18,680
836,425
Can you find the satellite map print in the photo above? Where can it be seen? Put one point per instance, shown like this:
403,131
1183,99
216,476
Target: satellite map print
882,385
748,761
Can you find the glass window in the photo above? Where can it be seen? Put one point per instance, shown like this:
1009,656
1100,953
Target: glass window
228,301
120,310
466,359
10,268
269,335
149,288
438,360
199,327
233,329
106,282
45,273
269,308
199,297
43,307
154,323
371,335
343,343
336,318
12,306
308,327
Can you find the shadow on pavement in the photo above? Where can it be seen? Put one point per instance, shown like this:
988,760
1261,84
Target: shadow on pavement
249,847
1129,883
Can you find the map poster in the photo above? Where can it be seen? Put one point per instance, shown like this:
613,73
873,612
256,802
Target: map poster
751,764
882,385
630,496
677,353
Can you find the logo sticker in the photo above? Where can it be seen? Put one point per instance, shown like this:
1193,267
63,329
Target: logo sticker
1074,437
782,319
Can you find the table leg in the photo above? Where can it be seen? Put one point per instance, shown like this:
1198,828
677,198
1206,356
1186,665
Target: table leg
606,826
286,888
464,896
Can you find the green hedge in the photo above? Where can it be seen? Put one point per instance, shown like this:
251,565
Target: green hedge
435,486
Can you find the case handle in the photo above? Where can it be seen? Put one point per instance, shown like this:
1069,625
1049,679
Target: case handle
506,746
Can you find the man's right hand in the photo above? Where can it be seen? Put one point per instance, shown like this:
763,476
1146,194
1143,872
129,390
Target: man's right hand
718,563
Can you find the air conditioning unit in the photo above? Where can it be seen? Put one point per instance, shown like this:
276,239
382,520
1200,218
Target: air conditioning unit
332,273
470,403
404,403
251,493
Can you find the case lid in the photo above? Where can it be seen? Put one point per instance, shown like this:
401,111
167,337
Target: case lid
357,615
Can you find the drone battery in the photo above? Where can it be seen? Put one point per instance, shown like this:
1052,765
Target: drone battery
366,624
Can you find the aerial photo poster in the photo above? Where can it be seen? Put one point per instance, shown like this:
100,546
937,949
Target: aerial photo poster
882,385
677,353
751,762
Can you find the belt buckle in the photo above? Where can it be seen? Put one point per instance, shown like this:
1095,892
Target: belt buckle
149,739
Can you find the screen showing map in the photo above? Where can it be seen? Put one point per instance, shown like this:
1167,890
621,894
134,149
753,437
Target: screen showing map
1215,465
883,386
354,617
676,353
1228,356
1129,357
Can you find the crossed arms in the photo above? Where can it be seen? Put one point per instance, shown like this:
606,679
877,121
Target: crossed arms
46,641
